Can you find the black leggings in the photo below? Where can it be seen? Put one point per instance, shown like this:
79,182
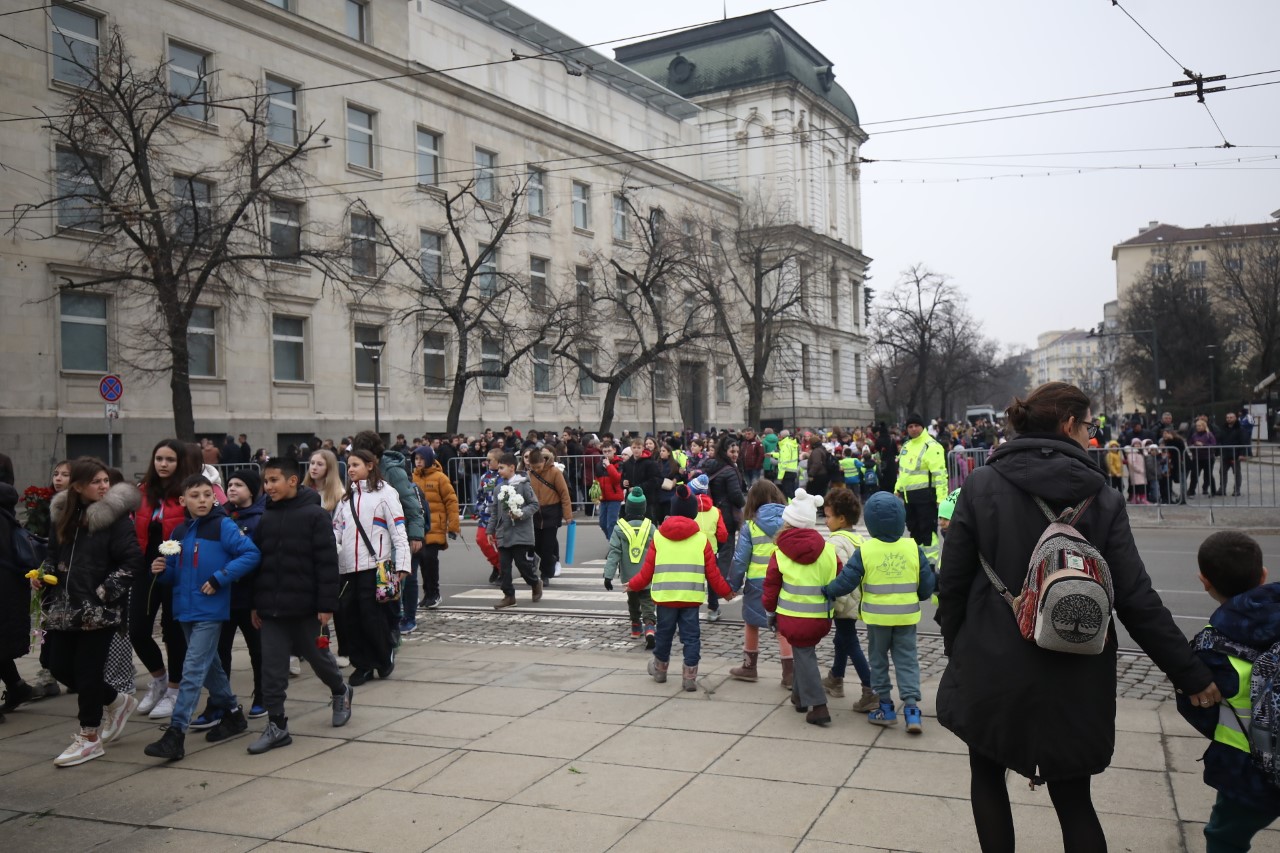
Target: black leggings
146,598
9,673
547,543
80,658
243,619
1081,831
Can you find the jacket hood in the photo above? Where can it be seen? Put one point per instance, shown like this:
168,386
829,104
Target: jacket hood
391,457
517,479
214,516
769,518
678,527
1251,618
8,497
885,517
1050,467
306,496
802,544
122,499
711,466
704,503
251,511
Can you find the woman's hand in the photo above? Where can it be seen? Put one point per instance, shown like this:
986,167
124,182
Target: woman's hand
1208,697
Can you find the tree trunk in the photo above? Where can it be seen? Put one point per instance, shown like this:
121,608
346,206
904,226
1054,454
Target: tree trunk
184,421
606,412
459,393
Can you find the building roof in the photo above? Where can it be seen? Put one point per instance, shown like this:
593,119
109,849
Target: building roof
736,53
1159,232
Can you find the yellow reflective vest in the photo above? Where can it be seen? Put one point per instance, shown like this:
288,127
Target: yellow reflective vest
637,539
849,469
922,466
788,456
890,582
762,548
679,570
1235,713
708,521
802,583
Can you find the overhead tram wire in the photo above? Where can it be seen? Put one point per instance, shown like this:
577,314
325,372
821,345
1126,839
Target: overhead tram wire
1139,25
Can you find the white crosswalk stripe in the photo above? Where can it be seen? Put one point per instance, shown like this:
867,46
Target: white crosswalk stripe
583,582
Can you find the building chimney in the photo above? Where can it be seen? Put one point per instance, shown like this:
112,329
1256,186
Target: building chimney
1152,224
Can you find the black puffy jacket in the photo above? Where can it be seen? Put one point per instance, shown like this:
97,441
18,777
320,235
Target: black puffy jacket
725,487
299,571
96,566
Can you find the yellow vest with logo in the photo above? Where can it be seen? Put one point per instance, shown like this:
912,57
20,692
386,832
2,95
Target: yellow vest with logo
788,456
1235,714
849,468
708,521
637,539
679,572
922,468
762,548
890,581
802,583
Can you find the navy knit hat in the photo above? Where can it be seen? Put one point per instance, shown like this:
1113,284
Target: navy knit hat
428,455
636,504
251,478
685,504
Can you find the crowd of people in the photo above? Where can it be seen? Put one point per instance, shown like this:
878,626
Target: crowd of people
330,541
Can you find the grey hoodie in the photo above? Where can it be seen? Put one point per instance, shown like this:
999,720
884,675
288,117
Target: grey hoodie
508,532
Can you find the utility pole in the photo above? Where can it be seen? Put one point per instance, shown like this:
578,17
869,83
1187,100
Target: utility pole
374,348
1212,394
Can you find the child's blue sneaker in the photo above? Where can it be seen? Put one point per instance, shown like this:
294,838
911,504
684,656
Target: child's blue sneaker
883,716
256,711
913,718
408,626
207,720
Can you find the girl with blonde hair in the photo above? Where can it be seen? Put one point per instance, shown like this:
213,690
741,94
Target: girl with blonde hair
323,476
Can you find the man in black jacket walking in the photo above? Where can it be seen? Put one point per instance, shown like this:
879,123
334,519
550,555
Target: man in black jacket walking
1232,443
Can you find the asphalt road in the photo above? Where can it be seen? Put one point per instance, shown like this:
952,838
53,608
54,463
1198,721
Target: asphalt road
1169,554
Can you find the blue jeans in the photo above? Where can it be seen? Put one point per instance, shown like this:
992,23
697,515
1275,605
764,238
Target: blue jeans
686,620
849,649
609,517
901,641
201,668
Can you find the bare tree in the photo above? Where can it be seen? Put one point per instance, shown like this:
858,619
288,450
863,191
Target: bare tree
164,226
911,321
1245,278
964,358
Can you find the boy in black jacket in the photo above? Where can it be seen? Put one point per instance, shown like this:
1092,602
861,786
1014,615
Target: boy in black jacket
294,595
1246,623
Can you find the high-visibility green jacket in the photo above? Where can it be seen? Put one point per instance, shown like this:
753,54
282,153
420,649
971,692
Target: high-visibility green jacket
922,465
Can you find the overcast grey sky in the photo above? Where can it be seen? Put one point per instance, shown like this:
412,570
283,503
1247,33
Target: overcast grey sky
1032,253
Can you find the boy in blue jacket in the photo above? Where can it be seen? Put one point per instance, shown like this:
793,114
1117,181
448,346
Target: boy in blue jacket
1246,623
215,553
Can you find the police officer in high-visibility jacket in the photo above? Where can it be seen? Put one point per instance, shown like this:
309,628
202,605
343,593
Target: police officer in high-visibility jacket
803,564
1246,623
678,567
922,480
788,456
895,577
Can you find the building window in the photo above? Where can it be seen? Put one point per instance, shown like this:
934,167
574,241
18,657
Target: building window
202,339
188,86
835,295
1198,269
805,275
288,346
722,384
364,245
657,220
804,367
586,385
661,385
433,356
1234,264
75,46
582,293
626,297
84,332
78,205
282,111
835,372
428,158
491,364
281,4
359,137
626,388
358,20
486,163
193,223
431,257
620,230
857,376
581,205
536,192
286,229
538,282
1160,269
367,373
487,272
855,305
542,369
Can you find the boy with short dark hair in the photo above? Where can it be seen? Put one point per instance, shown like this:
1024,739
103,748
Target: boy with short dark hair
294,595
1246,623
214,554
511,529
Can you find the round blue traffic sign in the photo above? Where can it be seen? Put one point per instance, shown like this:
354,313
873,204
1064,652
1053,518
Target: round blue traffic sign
111,388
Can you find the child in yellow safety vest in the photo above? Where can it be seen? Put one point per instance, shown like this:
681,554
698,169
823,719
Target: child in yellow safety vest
1245,625
677,570
803,564
711,523
934,552
894,577
843,509
763,516
627,547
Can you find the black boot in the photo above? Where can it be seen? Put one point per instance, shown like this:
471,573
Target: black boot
17,695
232,723
171,745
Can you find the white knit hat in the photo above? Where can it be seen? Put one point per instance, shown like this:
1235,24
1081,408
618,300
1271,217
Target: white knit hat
803,510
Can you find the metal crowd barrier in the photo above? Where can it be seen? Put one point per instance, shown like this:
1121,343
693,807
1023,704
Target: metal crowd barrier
227,470
465,473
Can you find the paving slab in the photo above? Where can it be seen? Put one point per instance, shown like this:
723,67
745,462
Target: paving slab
451,725
42,786
503,701
707,716
673,750
1138,715
1129,792
609,789
487,775
748,805
263,808
933,774
151,795
366,765
365,718
882,820
389,822
232,756
1184,754
1037,828
20,723
414,695
30,832
846,727
513,827
632,681
553,676
655,835
1139,751
548,738
809,762
155,839
615,708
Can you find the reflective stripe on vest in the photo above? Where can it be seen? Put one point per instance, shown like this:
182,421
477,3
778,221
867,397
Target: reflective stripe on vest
849,468
637,539
708,521
788,456
802,583
762,548
933,551
1235,714
679,572
915,476
890,582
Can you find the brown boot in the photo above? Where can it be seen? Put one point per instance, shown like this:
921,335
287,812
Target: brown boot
507,601
537,591
658,670
869,701
746,672
788,673
818,716
834,686
689,678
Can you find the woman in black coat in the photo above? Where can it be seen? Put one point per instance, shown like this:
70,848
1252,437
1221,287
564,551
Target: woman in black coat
15,609
1046,715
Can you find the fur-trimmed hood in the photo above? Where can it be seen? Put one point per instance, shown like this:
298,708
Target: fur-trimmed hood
121,500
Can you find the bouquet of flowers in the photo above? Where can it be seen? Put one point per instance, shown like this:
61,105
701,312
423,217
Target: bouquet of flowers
36,500
511,501
37,611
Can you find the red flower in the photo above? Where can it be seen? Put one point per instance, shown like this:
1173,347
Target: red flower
322,642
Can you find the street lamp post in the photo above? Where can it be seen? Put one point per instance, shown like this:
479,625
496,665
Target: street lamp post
1212,394
374,349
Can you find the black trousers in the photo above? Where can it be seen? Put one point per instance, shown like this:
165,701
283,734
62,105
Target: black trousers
80,658
521,558
922,516
788,485
242,619
428,560
993,817
546,543
146,598
364,625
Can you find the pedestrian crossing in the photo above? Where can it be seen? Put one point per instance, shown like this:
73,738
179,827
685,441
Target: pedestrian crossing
579,584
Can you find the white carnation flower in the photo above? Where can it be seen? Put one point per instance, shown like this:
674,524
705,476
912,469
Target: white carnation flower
170,547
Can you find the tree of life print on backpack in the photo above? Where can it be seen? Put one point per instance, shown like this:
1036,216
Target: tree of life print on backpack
1066,600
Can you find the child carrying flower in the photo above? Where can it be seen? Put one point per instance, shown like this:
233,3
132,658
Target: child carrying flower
511,529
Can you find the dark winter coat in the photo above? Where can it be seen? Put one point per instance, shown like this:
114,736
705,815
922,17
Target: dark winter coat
643,472
15,589
803,545
299,571
725,490
1250,619
246,519
1232,440
1035,711
395,470
97,566
751,454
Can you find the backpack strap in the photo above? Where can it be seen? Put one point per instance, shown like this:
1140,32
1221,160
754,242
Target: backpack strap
360,527
998,584
1070,515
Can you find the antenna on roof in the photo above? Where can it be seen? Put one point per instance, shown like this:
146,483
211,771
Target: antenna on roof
726,9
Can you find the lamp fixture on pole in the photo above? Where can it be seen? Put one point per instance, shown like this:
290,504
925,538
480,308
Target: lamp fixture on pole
374,349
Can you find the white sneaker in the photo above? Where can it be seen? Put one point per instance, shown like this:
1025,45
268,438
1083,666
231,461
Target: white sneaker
295,667
164,708
343,661
81,750
155,692
115,715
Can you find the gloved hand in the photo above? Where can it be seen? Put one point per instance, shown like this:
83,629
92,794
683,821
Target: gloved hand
608,584
773,622
453,537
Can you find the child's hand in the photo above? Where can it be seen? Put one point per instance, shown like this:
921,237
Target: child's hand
731,596
208,589
608,584
157,565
